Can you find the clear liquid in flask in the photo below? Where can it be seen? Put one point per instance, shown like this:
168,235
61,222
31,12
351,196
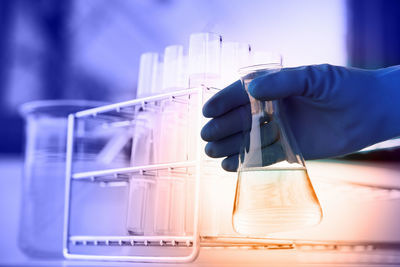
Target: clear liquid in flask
274,200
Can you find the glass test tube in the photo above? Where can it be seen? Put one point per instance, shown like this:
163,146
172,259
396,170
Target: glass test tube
140,188
172,143
177,215
168,132
147,74
209,203
169,205
141,197
174,75
158,79
233,57
140,193
190,190
204,59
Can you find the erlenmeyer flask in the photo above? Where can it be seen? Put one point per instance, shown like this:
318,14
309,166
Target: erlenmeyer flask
273,192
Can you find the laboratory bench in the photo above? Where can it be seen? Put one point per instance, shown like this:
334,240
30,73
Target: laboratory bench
378,236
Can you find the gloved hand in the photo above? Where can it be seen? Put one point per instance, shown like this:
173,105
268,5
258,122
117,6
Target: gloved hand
331,110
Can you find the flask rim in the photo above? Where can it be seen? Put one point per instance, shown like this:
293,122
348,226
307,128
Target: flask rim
259,68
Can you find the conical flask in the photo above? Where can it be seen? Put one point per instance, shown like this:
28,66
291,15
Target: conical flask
274,192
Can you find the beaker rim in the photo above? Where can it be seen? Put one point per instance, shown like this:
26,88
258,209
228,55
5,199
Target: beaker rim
53,107
259,67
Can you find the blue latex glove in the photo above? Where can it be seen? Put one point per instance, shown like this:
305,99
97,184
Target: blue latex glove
331,110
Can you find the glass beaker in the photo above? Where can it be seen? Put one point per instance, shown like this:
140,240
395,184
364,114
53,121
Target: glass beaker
273,192
43,187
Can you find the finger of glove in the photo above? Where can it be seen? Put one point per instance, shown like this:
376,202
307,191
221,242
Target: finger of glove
225,147
230,163
226,100
235,121
310,81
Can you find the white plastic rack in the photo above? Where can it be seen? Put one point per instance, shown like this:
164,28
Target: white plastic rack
83,132
99,171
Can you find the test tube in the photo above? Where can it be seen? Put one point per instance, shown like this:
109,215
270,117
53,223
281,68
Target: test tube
190,190
177,216
162,205
142,139
233,57
192,126
181,131
204,59
172,141
169,205
147,74
174,77
166,141
141,196
209,204
140,188
157,79
172,130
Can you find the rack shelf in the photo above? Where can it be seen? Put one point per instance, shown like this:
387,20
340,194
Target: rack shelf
143,101
123,174
171,241
234,242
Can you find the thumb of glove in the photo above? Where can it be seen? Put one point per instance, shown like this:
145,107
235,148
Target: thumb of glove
309,81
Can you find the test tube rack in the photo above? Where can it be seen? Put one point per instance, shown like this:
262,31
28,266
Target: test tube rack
122,116
97,241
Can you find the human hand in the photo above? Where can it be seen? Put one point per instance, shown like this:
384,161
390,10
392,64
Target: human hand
331,110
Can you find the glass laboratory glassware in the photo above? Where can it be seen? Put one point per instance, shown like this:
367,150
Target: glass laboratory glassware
141,187
273,192
174,77
171,141
171,138
140,206
148,71
171,148
233,57
43,188
169,205
204,59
